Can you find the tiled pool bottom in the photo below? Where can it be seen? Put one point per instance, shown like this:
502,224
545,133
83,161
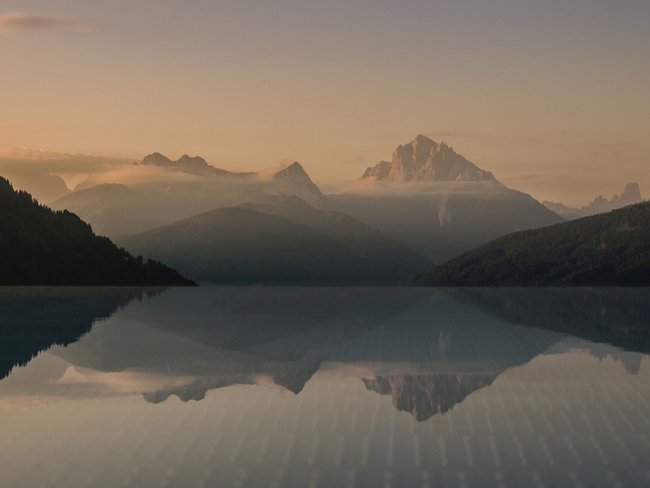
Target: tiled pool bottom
439,394
566,419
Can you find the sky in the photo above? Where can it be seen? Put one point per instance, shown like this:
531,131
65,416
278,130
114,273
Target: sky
551,96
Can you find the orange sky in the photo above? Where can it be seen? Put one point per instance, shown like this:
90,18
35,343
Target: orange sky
551,98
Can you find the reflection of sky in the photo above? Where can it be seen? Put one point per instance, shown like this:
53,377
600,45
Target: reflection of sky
542,89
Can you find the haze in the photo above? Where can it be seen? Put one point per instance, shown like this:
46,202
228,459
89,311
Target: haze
549,96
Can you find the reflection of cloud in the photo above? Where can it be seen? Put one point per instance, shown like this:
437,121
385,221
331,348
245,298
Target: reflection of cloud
19,21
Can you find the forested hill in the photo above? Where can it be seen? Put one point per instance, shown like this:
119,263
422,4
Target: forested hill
611,249
41,247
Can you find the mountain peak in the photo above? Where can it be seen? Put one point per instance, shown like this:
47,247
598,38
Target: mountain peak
294,169
632,192
188,164
294,180
424,159
156,159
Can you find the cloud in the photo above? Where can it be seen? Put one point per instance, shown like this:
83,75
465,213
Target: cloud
19,21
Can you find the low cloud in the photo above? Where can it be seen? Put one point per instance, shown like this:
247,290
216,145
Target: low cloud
19,21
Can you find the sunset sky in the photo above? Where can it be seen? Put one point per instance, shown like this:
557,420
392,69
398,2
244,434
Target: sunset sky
551,96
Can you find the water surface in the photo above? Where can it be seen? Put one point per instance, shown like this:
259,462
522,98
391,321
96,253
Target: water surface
324,387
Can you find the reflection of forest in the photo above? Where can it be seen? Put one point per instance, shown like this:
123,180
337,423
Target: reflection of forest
34,319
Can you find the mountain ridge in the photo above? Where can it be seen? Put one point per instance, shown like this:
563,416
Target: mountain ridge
611,249
257,244
631,194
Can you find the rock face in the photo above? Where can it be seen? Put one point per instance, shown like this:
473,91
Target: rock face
426,395
425,160
294,180
187,164
631,195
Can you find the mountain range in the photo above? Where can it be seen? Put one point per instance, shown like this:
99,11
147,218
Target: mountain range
426,206
631,194
441,206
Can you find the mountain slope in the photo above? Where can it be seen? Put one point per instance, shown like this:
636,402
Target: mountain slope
42,247
357,237
444,221
244,246
602,250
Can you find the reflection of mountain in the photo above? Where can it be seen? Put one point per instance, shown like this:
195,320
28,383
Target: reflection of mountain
631,361
425,349
224,336
425,395
34,319
282,336
616,316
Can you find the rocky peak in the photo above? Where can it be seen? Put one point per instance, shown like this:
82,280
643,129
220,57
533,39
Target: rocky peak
423,159
156,159
631,193
293,180
425,395
192,162
294,170
187,164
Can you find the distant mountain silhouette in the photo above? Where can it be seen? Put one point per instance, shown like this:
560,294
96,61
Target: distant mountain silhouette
116,210
631,194
42,247
192,165
425,160
601,250
43,186
282,241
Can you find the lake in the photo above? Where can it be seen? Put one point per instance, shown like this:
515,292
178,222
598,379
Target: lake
324,387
